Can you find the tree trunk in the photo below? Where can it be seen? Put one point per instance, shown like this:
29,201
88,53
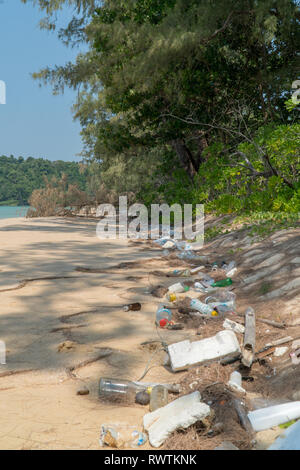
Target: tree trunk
186,158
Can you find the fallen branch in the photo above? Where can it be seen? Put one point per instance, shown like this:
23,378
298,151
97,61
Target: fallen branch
102,355
15,372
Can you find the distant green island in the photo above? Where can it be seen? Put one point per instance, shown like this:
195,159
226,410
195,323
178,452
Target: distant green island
20,176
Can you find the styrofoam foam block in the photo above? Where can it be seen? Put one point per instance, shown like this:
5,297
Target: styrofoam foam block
185,354
180,413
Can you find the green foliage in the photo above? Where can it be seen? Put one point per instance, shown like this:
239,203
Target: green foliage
187,100
19,177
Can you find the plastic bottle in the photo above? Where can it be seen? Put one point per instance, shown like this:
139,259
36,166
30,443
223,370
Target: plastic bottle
222,301
266,418
199,287
171,297
118,388
223,283
138,439
203,308
163,316
229,267
178,288
181,273
134,307
158,397
235,382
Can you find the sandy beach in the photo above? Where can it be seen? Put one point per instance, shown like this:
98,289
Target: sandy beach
39,407
64,327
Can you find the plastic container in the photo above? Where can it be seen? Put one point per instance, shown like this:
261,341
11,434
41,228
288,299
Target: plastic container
178,288
222,301
138,439
235,382
158,397
190,255
203,308
228,267
163,316
181,273
223,283
171,297
199,287
266,418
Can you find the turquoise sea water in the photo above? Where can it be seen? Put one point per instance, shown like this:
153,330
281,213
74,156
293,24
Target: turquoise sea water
8,212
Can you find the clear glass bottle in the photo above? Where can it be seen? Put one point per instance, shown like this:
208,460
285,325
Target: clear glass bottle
118,389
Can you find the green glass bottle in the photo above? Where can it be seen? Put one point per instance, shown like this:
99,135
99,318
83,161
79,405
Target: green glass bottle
222,283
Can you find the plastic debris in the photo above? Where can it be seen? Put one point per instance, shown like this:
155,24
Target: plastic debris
163,316
203,308
138,439
223,283
178,288
158,397
235,382
222,301
110,436
266,418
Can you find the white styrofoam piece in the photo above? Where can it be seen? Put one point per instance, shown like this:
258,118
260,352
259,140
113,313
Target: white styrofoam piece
234,326
266,418
180,413
185,354
280,351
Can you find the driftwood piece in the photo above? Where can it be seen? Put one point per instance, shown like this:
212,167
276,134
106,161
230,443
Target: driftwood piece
272,323
70,370
248,350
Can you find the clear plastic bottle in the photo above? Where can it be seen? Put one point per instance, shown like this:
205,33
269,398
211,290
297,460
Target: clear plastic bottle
138,439
163,315
158,397
178,288
203,308
223,301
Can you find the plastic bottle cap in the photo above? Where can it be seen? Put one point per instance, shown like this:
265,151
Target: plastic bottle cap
214,313
163,322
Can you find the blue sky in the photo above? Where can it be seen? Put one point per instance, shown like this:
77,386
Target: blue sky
33,122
